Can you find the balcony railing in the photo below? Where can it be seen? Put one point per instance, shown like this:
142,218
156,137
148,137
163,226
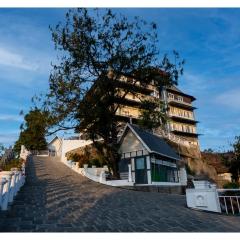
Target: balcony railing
180,116
174,138
177,101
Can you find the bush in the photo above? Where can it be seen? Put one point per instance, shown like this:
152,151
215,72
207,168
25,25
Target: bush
230,185
189,170
86,158
96,162
15,163
74,157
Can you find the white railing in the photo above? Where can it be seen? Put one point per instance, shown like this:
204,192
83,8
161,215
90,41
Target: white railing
10,183
99,174
229,203
181,116
206,196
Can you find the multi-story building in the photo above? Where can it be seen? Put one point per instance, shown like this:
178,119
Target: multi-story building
181,113
181,124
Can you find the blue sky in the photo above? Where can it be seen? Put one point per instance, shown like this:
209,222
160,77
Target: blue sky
208,39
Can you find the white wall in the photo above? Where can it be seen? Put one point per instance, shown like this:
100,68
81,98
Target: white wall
68,145
56,146
131,144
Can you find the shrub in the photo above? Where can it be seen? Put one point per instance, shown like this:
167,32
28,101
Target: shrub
15,163
88,156
189,170
231,185
96,162
74,157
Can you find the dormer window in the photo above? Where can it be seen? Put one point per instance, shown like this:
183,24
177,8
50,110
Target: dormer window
171,96
180,99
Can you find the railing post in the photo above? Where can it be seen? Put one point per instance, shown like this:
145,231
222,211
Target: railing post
102,176
130,173
6,190
3,181
12,187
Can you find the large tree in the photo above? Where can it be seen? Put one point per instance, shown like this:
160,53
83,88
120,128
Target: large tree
33,131
234,162
96,48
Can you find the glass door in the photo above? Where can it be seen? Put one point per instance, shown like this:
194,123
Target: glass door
140,170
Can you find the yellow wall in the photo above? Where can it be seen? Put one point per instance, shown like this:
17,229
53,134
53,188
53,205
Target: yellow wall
182,127
181,112
128,111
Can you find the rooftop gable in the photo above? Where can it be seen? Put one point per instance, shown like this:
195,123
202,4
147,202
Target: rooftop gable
153,143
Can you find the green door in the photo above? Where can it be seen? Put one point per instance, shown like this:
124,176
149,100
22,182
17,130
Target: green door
140,170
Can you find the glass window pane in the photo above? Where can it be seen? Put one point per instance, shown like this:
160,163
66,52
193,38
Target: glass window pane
140,163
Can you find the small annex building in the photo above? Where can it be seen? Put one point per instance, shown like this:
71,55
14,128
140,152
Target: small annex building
152,160
55,147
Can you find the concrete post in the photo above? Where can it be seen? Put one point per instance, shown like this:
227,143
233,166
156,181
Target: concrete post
183,176
3,181
130,173
7,189
13,187
102,176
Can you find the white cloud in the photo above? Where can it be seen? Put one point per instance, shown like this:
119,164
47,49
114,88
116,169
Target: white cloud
11,59
8,138
9,117
230,99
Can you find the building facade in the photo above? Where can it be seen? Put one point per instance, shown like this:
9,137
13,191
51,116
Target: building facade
181,125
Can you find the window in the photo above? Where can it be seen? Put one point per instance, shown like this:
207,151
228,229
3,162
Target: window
161,173
171,96
180,99
140,163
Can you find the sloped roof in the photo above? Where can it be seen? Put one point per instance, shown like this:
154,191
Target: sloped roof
152,142
56,137
173,88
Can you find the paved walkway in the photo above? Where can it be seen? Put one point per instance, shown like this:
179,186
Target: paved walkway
56,199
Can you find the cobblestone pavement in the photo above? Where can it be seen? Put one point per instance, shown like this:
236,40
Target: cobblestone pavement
56,199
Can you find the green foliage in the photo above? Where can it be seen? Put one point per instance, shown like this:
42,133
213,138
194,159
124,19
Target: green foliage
189,170
95,162
33,131
232,185
153,115
209,150
15,163
86,159
74,157
234,163
2,149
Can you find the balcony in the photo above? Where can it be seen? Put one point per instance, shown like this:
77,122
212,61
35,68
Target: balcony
184,119
177,103
127,114
184,133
